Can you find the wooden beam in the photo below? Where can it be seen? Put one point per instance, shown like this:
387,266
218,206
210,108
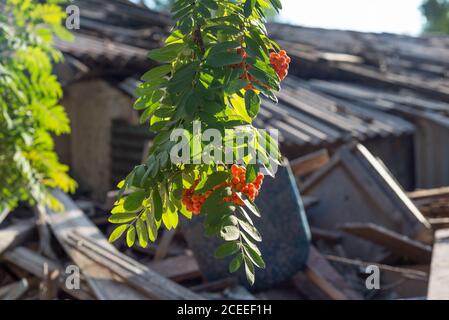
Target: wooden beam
164,244
178,268
439,270
393,241
15,290
321,273
33,263
309,163
15,234
429,193
104,283
135,274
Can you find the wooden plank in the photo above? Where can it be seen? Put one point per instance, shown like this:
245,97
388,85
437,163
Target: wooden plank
132,272
310,162
33,263
164,244
323,275
15,290
178,268
104,283
15,234
439,271
429,193
326,235
393,241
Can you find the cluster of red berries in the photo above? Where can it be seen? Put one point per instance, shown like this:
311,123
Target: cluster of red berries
193,202
239,184
280,62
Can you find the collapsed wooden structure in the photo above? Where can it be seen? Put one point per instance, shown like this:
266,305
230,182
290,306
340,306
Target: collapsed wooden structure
361,117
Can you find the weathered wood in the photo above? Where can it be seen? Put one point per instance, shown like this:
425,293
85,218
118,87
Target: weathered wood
33,263
393,241
164,244
323,275
326,235
48,288
104,283
217,285
15,235
4,214
439,271
429,193
178,268
132,272
14,291
355,187
309,163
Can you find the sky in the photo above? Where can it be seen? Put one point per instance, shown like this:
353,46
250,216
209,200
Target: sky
395,16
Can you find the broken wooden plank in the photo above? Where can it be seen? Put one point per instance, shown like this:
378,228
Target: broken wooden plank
355,187
324,276
14,291
33,263
393,241
164,244
178,268
326,235
104,283
15,234
309,163
429,193
439,270
132,272
217,285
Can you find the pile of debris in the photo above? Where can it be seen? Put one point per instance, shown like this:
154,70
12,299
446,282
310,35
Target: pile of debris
369,241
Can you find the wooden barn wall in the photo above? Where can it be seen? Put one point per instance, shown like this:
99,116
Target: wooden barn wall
92,106
432,151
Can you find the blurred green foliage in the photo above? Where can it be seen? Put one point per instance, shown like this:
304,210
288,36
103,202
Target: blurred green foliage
436,13
29,110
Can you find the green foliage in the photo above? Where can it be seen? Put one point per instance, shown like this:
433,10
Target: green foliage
29,109
199,81
436,13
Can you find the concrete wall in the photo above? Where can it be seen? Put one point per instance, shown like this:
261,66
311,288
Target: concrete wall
92,105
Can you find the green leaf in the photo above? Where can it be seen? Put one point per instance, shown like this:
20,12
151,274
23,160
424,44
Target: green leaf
252,103
223,59
214,180
117,233
151,225
255,257
230,233
157,72
134,201
235,86
167,53
249,270
250,230
248,7
157,204
251,172
227,249
211,4
142,233
122,217
131,236
236,263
